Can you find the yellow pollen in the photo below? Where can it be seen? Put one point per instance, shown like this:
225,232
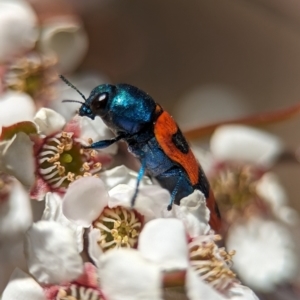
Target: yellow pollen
87,174
71,176
68,146
86,166
97,165
61,170
90,141
93,153
68,135
122,228
60,148
54,158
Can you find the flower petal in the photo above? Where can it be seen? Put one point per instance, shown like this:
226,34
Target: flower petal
53,212
240,292
60,35
151,200
196,289
164,242
122,174
51,252
49,121
194,213
15,107
270,189
265,253
15,213
94,250
22,287
125,275
17,159
237,142
84,200
18,30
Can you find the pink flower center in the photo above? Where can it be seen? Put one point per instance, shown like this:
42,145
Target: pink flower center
61,160
77,292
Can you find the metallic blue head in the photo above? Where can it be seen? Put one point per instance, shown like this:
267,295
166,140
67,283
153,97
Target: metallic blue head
124,108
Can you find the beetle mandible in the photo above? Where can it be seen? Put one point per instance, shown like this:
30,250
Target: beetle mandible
152,136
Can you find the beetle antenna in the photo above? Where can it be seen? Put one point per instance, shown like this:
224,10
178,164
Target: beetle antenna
64,79
73,101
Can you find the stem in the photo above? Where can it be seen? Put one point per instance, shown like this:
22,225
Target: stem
254,120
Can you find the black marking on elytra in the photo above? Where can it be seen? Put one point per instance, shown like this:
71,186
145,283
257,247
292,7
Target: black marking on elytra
217,211
203,184
180,142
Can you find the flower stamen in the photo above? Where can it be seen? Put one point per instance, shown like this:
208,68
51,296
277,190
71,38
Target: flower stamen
211,263
61,160
77,292
119,227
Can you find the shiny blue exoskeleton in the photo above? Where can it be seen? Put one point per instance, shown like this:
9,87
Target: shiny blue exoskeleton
132,115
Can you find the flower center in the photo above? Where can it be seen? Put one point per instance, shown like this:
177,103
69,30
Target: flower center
77,292
119,227
211,263
31,74
61,160
234,186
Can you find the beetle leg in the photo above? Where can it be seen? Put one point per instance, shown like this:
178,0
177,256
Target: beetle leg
103,144
174,192
139,178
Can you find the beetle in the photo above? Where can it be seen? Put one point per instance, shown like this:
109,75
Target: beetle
153,137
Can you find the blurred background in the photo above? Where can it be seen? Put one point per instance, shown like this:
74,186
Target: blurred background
204,61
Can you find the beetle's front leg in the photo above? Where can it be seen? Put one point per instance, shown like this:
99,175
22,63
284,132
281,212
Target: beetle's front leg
104,144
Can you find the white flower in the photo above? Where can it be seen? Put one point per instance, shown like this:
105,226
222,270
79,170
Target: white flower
87,203
265,254
18,30
247,195
55,158
67,39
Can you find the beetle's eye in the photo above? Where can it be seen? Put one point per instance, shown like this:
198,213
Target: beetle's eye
100,101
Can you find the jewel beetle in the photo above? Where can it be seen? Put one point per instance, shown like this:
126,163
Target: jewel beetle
153,137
